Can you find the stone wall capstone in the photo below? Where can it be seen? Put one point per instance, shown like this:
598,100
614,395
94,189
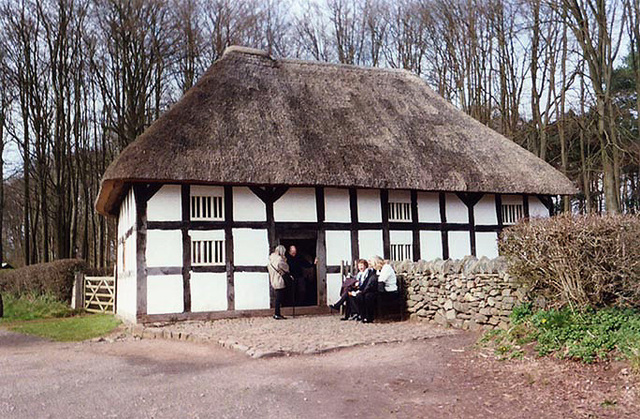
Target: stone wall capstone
466,294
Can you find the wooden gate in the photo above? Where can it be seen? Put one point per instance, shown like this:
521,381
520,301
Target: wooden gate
99,294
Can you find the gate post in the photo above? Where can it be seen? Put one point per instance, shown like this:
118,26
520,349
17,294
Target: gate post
77,295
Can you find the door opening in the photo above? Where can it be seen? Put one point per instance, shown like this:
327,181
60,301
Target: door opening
305,288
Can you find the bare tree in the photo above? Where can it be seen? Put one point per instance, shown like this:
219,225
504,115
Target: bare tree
597,26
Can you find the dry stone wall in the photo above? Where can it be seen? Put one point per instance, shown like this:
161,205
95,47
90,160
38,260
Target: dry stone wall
467,294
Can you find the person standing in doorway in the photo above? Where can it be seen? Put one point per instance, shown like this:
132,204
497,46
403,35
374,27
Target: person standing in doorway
297,265
278,270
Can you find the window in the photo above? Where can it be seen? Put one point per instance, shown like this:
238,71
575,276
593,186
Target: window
399,211
207,252
206,207
400,252
512,213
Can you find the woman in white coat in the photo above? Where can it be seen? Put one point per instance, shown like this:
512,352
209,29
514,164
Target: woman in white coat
278,269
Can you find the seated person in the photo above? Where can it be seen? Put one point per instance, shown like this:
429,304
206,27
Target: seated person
363,299
348,285
387,281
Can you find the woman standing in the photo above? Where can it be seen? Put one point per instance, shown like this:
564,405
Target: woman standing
278,269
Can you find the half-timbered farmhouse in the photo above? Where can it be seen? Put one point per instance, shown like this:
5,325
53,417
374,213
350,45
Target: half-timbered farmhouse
342,161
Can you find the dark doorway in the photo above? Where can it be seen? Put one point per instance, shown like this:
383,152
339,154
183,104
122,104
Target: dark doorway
304,290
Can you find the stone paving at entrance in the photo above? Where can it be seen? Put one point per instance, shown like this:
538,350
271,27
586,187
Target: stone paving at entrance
261,337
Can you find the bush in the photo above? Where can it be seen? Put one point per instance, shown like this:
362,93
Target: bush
53,278
586,336
582,261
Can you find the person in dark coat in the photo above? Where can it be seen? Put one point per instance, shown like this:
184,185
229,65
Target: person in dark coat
364,299
297,265
350,284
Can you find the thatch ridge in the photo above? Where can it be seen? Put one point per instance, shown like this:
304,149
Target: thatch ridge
252,119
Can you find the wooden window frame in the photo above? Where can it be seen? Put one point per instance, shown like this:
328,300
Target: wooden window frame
404,249
512,213
208,252
206,207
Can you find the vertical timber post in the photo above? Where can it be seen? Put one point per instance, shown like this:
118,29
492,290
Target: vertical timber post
186,248
416,226
353,208
386,242
321,251
141,249
443,228
228,240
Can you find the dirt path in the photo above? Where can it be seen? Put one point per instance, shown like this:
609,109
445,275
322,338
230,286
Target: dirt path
432,378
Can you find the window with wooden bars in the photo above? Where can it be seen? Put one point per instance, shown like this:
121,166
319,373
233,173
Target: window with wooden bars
399,211
512,213
207,207
207,252
400,252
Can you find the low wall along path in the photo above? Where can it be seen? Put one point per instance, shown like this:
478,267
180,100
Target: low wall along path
467,294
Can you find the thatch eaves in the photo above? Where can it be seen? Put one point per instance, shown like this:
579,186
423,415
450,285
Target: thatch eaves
252,119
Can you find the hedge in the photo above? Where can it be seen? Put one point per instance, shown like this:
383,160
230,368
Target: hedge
54,278
583,261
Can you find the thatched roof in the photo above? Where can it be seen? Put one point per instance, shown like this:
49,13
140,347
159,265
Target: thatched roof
252,119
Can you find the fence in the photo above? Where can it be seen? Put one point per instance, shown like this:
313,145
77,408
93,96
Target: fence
99,294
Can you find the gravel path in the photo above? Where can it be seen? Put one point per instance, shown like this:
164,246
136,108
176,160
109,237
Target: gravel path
265,337
428,378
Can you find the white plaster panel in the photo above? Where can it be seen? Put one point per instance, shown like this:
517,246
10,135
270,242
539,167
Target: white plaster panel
206,234
165,294
537,208
208,291
338,245
297,204
370,243
428,207
337,207
251,290
119,258
456,210
130,257
334,283
484,212
126,297
459,244
164,248
369,206
166,204
487,244
430,245
247,206
250,247
400,237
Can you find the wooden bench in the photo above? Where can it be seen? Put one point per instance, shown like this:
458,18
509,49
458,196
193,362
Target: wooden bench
391,306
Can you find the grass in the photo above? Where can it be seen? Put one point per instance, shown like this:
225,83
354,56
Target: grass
70,328
49,318
31,307
587,336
